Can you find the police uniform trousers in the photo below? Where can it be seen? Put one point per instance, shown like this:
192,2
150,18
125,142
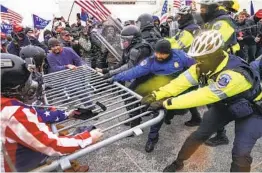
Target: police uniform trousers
247,131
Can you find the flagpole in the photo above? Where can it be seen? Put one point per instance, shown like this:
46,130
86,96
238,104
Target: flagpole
70,11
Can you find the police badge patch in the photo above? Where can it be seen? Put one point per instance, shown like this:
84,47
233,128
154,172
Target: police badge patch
143,63
223,80
217,26
176,65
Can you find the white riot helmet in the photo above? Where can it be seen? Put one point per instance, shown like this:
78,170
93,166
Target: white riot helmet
184,10
206,43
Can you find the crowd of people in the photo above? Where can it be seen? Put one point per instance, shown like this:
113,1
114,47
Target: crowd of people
214,59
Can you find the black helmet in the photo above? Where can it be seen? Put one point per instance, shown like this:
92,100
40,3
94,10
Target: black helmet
38,54
16,78
13,71
145,20
130,35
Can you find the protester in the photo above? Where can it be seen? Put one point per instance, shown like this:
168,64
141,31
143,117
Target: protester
246,38
3,42
33,39
61,58
19,40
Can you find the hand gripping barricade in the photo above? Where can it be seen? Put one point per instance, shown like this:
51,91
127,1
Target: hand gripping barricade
85,88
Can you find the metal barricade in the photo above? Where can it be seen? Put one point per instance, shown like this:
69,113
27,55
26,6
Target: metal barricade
86,88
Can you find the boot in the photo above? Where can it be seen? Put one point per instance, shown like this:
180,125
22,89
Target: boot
150,145
219,139
76,167
195,118
175,166
193,122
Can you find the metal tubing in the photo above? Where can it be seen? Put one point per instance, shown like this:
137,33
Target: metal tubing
75,79
102,114
83,97
128,90
55,164
72,85
102,97
117,116
86,93
126,121
95,104
69,88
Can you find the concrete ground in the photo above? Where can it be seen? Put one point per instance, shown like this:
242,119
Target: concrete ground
128,155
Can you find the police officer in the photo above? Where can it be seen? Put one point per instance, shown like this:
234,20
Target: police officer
216,17
232,88
135,50
166,64
183,40
145,23
188,29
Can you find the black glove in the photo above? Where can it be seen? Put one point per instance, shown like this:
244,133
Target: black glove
106,76
105,70
155,106
147,100
110,80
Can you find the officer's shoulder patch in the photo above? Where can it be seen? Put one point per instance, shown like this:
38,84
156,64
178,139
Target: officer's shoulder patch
176,64
143,63
223,80
217,25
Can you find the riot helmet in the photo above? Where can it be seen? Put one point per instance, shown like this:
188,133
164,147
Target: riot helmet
16,79
130,35
34,52
145,20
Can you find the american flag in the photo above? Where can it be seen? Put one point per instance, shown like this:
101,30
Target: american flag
101,8
95,8
177,4
24,125
7,14
164,14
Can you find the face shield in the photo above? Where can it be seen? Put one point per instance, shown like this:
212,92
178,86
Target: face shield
29,89
138,24
126,41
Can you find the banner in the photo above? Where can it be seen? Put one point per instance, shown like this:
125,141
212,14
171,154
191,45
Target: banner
6,28
39,23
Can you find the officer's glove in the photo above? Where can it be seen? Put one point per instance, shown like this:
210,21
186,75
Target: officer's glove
110,80
147,100
155,106
106,76
105,70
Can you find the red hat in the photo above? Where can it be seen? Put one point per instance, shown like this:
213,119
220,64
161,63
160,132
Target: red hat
3,35
17,28
259,14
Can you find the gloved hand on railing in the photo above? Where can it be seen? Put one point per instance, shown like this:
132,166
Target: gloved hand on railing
155,106
106,76
147,100
103,70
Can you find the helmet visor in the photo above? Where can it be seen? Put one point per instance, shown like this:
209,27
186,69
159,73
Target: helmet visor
126,41
138,24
